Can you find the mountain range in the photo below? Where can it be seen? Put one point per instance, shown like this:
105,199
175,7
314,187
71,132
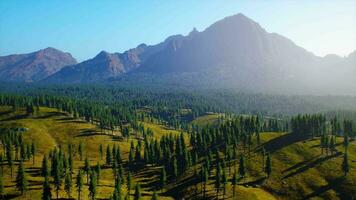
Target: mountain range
235,52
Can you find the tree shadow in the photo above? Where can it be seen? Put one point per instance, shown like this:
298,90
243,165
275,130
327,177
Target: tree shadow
282,141
332,184
17,117
300,164
312,164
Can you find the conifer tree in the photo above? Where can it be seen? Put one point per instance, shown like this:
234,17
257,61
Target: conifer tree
242,171
345,164
108,155
57,180
46,193
79,183
163,178
218,178
175,168
234,183
87,168
137,192
268,169
33,152
101,152
45,169
205,177
98,172
129,183
92,185
10,161
21,180
68,184
224,181
2,163
2,186
154,196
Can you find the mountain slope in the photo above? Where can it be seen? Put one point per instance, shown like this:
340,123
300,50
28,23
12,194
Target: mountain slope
33,66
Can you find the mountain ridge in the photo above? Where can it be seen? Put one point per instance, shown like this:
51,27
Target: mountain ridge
234,52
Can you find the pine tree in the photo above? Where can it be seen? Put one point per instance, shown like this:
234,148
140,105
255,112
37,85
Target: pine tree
218,179
108,155
129,183
101,152
33,152
116,195
87,168
137,192
154,196
2,186
10,161
268,169
21,181
46,193
68,185
98,172
205,178
2,163
242,171
92,185
234,183
45,169
57,180
175,168
79,183
163,178
224,182
345,164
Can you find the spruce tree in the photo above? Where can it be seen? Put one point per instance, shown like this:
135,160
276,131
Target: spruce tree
10,161
224,182
68,184
57,179
2,186
79,183
108,155
154,196
92,185
87,168
163,178
234,183
98,172
137,192
2,163
345,164
21,180
46,193
268,169
45,171
101,152
242,171
129,183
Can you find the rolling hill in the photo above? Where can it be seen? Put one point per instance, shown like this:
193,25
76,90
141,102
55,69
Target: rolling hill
300,171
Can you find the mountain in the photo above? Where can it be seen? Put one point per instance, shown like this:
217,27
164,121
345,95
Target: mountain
33,66
106,65
235,52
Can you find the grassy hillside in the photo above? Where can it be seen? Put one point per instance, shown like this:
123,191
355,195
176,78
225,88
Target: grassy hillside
299,169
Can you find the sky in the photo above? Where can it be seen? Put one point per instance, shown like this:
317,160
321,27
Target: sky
84,27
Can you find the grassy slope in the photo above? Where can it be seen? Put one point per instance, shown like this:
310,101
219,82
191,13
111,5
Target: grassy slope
299,171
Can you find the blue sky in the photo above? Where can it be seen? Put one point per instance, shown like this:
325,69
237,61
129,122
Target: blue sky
85,27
